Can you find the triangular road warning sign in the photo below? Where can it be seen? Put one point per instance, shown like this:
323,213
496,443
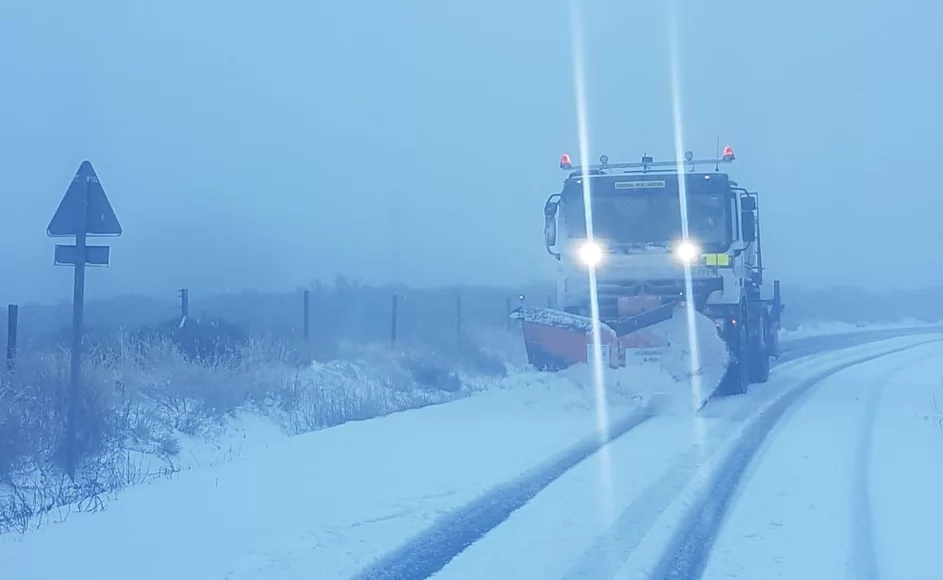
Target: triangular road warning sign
84,191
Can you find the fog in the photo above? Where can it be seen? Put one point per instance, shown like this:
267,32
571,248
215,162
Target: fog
263,145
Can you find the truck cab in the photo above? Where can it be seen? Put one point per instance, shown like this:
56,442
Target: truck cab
648,230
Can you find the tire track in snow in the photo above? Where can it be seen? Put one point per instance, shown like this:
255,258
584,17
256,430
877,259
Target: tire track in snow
862,560
611,549
433,548
862,564
687,552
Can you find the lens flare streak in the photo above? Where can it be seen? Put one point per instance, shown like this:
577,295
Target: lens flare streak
690,313
602,418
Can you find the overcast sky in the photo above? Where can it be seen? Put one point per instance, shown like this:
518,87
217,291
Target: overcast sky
265,144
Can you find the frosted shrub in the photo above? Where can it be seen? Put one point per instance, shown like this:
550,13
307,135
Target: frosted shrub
142,392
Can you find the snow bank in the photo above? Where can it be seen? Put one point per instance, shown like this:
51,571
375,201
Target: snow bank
341,480
685,373
149,412
328,502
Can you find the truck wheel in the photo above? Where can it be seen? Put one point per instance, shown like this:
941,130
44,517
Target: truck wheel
760,352
741,375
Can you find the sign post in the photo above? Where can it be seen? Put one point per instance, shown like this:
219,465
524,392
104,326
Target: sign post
84,211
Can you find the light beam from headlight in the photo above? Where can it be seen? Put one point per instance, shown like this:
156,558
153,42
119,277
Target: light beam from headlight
599,390
691,315
687,252
590,254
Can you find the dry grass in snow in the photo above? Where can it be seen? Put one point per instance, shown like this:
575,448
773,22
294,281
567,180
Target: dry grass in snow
142,403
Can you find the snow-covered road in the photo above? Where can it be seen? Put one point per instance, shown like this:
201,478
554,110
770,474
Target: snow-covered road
849,485
826,478
509,484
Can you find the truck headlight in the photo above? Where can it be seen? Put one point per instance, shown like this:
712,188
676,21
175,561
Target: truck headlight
590,254
687,252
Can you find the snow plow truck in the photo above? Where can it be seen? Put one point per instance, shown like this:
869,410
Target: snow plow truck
643,245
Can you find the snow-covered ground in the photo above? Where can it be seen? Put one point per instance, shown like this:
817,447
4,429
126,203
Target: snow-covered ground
327,501
825,327
616,513
848,485
328,504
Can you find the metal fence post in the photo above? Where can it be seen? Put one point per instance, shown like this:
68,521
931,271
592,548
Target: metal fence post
184,306
12,321
458,317
307,315
394,321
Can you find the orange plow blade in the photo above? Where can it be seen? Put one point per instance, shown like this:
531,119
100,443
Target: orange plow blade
647,331
555,340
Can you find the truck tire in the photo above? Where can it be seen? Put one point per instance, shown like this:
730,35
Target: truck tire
760,350
741,374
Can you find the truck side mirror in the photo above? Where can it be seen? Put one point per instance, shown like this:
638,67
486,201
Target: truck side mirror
747,203
748,226
550,223
550,231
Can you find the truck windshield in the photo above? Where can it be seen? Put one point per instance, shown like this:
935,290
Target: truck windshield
651,218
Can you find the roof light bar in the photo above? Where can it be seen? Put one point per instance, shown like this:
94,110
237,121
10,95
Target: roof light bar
647,162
